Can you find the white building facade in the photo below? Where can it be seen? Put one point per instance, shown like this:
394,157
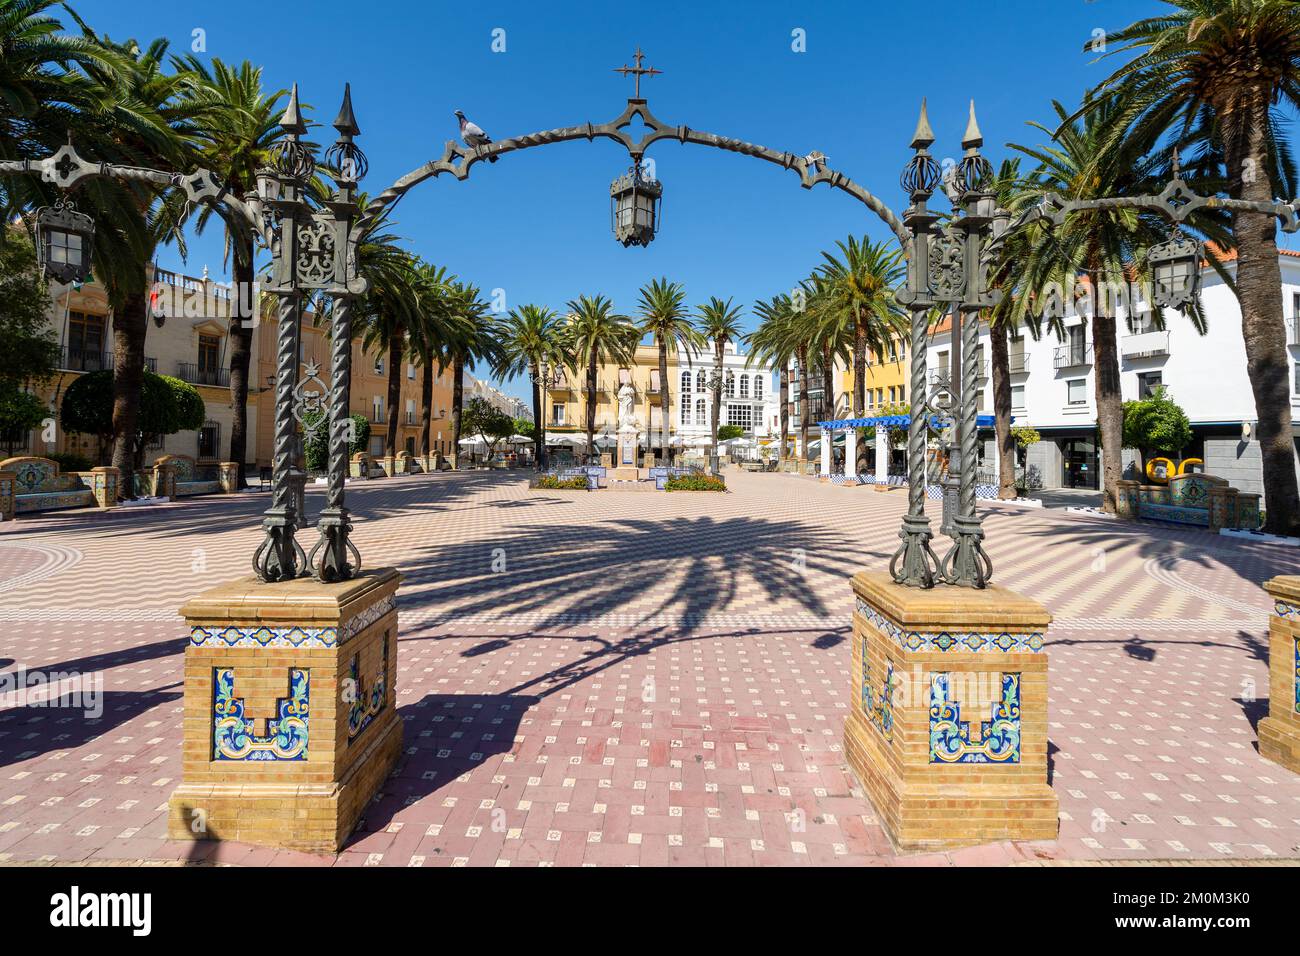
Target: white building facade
1053,383
749,398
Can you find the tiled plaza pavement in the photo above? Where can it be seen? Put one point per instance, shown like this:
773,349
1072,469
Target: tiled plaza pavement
648,678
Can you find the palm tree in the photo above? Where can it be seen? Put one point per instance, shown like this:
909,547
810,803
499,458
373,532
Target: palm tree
146,121
861,286
239,126
1010,193
827,332
719,322
388,307
596,335
433,327
775,343
1103,246
1226,63
44,91
473,339
665,319
529,341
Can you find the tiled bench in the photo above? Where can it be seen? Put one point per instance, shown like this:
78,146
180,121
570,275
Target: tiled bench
32,484
1199,500
593,474
184,479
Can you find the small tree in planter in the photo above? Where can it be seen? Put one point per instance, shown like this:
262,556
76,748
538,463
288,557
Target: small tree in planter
167,406
484,419
1155,426
1025,435
316,448
20,412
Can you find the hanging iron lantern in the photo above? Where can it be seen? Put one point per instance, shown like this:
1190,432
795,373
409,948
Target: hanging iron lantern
64,238
1175,269
634,207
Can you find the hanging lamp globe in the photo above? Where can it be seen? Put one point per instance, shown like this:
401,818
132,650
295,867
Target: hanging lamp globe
635,202
64,239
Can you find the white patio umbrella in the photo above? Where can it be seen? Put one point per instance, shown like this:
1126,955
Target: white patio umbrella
519,440
567,441
473,440
699,441
739,443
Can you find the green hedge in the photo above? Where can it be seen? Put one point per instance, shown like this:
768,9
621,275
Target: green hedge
555,483
695,483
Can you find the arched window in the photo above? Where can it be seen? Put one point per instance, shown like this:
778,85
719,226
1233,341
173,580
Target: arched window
729,385
701,381
686,381
758,386
701,412
744,386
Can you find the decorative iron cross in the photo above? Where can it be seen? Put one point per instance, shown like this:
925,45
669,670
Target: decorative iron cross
638,71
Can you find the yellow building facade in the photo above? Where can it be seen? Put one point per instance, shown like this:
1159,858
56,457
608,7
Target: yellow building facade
187,336
565,404
369,391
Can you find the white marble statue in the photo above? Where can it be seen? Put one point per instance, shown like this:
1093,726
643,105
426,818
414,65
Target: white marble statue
626,420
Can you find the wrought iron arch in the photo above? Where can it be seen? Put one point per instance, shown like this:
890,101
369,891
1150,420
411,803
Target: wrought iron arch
458,160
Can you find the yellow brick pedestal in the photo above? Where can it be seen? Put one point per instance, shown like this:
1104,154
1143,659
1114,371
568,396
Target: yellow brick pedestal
291,722
947,726
1279,732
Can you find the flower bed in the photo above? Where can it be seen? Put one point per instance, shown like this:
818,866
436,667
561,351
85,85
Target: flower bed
556,483
695,483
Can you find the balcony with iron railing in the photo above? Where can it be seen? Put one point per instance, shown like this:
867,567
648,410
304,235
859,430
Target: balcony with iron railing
1072,356
1016,363
1144,344
82,360
203,375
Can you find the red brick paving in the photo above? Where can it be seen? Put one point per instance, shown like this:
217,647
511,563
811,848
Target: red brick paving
651,679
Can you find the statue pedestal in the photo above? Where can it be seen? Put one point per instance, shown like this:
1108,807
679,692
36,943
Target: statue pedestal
947,729
290,716
1279,732
625,468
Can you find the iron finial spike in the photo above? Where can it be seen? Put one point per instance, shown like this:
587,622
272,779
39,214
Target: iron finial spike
346,121
1178,170
924,135
973,139
291,121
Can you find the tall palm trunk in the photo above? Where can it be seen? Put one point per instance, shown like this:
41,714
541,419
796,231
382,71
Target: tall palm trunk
718,348
861,459
784,385
457,402
541,422
426,409
859,368
241,352
1259,292
803,403
828,382
130,323
395,349
1110,403
1006,443
664,401
591,404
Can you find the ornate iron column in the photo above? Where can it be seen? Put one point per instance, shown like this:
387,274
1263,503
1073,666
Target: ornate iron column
347,164
966,563
915,562
280,557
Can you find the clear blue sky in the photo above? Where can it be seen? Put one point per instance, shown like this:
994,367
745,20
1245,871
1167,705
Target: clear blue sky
536,224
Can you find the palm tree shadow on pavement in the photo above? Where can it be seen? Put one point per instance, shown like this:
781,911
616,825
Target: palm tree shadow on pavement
688,570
